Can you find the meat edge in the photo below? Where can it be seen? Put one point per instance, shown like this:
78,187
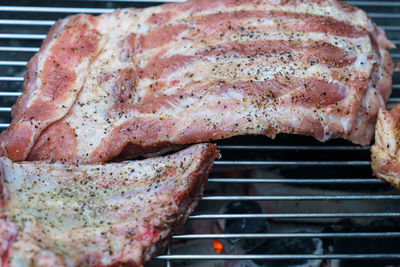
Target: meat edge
194,194
369,109
18,139
385,157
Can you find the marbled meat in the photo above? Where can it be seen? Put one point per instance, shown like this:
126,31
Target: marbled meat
138,81
97,215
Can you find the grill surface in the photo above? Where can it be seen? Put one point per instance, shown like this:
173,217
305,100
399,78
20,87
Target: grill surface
304,186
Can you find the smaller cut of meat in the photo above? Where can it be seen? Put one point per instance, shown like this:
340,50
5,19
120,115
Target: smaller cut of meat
385,153
97,215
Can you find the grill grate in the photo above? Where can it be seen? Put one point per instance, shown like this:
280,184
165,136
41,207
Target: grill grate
301,184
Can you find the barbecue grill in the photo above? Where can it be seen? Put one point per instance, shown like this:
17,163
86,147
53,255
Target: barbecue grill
295,192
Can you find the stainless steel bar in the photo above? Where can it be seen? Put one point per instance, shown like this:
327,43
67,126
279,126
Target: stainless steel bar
295,181
296,215
100,10
4,125
394,99
374,3
10,94
289,235
168,263
390,28
277,257
381,15
26,22
11,79
54,9
396,42
299,147
22,36
300,198
18,49
12,63
292,163
5,109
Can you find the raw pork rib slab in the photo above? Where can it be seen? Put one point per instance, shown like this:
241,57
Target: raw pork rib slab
98,215
151,79
385,153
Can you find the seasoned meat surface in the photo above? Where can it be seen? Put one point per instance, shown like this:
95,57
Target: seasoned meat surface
385,153
147,80
97,215
54,78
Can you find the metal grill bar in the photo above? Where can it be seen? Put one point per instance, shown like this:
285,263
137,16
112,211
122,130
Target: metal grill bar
278,257
10,94
303,147
168,262
295,181
292,163
384,15
390,27
11,79
107,10
300,198
290,235
26,22
295,215
395,56
357,3
13,63
18,49
374,3
22,36
394,100
55,9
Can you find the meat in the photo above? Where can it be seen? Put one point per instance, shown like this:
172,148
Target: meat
385,153
54,78
98,215
202,70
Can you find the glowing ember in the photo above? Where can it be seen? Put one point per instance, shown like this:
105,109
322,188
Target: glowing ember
217,246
